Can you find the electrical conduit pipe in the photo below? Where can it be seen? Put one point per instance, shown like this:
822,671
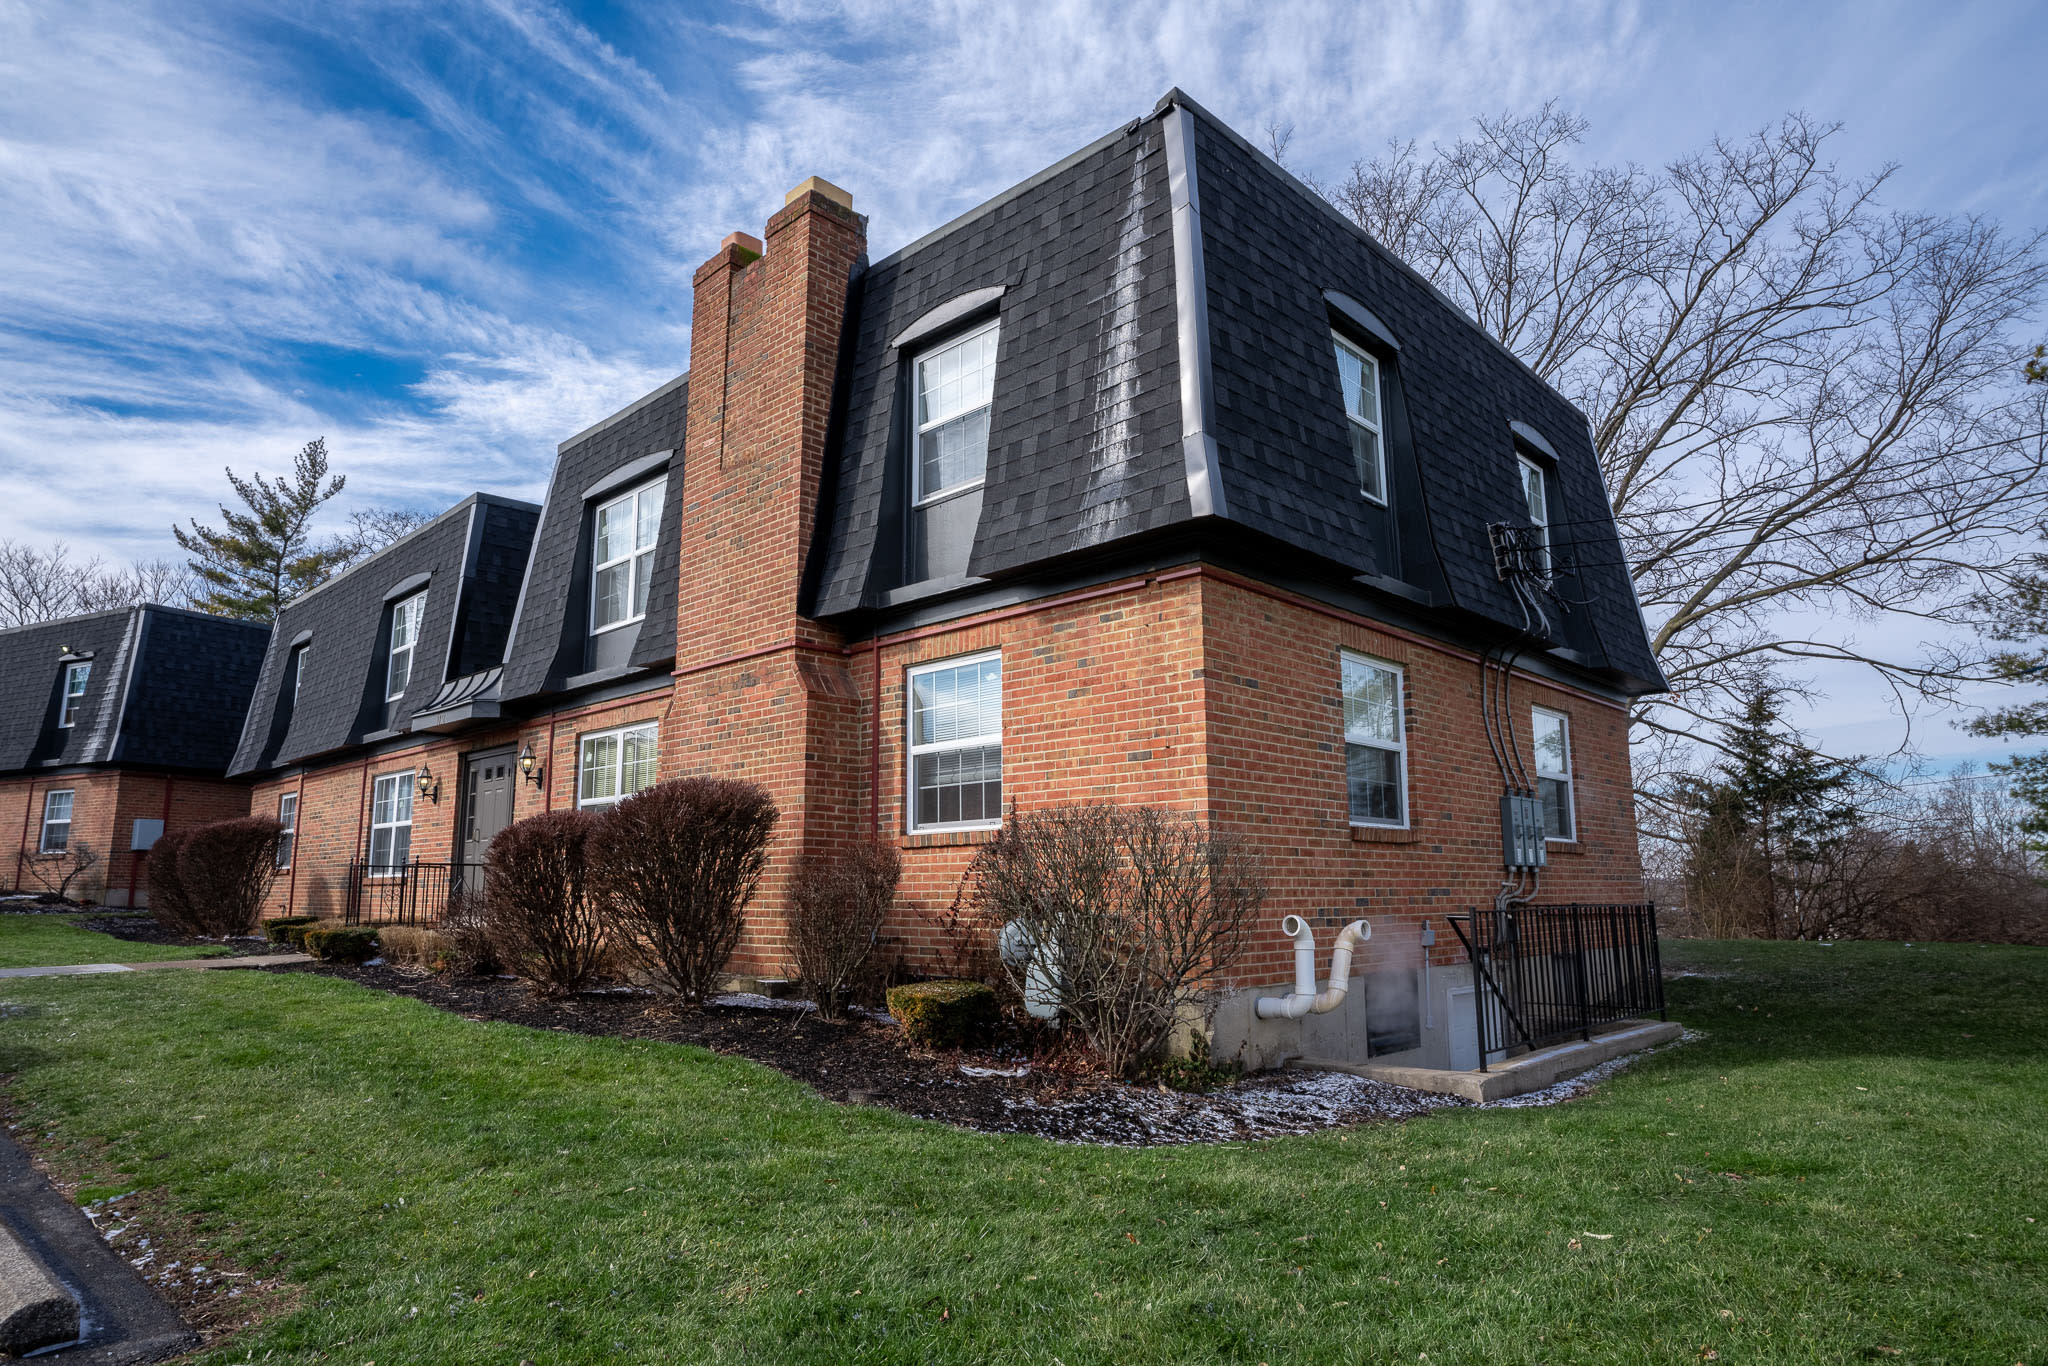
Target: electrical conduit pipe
1305,999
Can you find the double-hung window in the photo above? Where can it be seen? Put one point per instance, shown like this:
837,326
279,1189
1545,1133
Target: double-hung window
956,744
288,817
1359,374
56,821
622,555
391,824
1536,502
955,384
300,658
406,617
1375,742
614,764
1554,772
75,676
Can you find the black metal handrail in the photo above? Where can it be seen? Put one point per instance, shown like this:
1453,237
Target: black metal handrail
1542,974
419,892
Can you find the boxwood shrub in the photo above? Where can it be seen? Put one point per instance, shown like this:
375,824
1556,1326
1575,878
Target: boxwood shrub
944,1014
341,943
290,930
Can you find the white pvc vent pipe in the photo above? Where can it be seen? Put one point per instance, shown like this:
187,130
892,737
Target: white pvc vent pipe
1305,999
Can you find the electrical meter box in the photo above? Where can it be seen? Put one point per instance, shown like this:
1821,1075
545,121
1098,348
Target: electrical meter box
1521,832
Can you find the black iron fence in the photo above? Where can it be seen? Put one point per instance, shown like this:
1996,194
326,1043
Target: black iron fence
415,893
1548,973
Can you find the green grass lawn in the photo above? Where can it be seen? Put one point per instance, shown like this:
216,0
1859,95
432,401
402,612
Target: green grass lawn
44,941
1850,1159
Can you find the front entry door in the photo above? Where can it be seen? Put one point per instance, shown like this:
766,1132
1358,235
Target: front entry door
487,781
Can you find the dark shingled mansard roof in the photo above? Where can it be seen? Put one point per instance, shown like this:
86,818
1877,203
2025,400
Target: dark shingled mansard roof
469,560
1154,383
168,689
545,654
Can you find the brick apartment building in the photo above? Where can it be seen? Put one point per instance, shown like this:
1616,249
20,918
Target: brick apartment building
1152,479
114,727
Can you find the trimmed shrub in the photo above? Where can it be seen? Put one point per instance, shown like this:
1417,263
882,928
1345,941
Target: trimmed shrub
838,902
542,922
944,1014
1131,916
341,943
289,931
410,947
466,937
676,865
213,879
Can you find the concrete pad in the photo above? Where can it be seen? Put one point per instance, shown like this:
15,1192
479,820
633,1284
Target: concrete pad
35,1309
254,960
1516,1076
64,970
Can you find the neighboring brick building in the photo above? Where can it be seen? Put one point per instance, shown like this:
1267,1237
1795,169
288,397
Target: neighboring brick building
114,727
1151,480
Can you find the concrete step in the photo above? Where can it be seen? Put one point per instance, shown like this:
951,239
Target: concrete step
1516,1076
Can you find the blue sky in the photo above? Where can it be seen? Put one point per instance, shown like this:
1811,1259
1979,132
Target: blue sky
447,236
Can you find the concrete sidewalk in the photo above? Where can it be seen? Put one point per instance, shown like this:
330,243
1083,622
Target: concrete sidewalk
260,960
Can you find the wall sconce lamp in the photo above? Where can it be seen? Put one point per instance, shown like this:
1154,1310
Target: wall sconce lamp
529,765
429,785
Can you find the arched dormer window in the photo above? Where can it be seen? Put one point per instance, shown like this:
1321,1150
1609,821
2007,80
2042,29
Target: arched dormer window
1363,348
948,357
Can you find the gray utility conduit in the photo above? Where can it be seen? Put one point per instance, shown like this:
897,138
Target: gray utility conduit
1305,999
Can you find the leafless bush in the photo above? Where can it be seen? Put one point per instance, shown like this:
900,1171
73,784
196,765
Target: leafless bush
58,871
676,865
1132,913
541,921
838,902
211,881
413,948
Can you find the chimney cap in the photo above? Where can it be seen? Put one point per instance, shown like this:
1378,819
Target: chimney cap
817,184
745,241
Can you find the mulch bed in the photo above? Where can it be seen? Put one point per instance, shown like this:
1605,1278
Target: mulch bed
139,927
865,1060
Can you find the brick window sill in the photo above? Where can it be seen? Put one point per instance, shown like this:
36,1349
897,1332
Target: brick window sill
1380,834
1567,848
939,839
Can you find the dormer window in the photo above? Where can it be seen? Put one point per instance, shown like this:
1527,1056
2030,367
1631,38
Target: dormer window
300,658
955,383
1359,374
1536,503
622,555
406,616
75,676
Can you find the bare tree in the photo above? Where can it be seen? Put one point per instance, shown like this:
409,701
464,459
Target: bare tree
38,584
1807,408
372,529
58,871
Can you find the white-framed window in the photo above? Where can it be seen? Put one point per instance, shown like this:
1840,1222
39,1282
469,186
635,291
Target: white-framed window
300,658
75,677
1359,374
622,555
288,817
954,386
1375,742
1553,736
406,617
56,838
391,824
955,733
613,764
1536,502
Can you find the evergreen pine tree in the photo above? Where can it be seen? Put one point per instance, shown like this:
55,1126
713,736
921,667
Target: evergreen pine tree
263,555
2020,617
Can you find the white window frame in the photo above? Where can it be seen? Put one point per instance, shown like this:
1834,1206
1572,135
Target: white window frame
70,796
413,607
401,784
1571,795
920,496
288,817
1379,428
67,713
618,733
1524,467
300,655
1399,747
657,486
913,750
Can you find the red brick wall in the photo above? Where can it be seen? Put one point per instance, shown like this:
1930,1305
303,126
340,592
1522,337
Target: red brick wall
105,808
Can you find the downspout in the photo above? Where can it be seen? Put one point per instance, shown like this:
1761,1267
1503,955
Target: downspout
1305,999
291,886
21,851
875,744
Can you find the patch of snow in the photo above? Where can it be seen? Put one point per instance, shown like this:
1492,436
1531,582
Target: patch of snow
1024,1070
1268,1106
376,962
747,1000
1573,1087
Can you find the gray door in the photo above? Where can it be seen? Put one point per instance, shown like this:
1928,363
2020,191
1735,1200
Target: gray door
486,809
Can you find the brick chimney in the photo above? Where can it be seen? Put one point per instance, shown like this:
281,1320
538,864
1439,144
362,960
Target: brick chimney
762,692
